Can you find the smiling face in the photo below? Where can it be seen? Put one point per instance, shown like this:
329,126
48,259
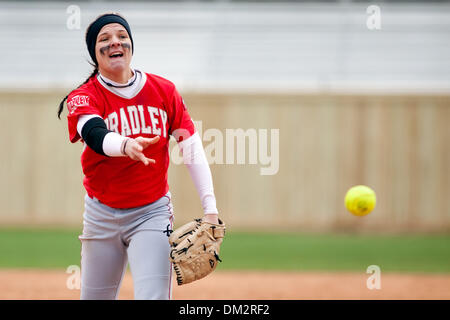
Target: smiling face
113,50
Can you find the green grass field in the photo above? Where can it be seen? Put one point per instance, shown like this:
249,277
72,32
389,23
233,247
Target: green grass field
30,248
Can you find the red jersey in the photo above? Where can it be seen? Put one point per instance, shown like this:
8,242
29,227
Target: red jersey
157,109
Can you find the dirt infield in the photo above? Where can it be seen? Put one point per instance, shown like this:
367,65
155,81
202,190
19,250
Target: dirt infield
51,284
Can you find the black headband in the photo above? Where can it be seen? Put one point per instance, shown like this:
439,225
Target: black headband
97,25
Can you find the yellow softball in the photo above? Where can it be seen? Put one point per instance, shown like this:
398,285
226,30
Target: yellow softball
360,200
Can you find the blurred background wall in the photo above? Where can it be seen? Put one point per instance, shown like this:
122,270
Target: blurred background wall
353,105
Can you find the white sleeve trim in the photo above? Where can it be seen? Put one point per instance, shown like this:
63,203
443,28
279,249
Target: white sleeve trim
195,159
83,119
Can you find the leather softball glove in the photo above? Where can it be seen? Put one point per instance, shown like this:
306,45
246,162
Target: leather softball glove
195,249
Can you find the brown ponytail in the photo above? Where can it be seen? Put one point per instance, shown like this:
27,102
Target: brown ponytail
61,104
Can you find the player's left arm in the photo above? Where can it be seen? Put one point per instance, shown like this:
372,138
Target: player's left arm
195,160
182,128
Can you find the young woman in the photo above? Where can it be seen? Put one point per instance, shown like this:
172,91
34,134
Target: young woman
125,118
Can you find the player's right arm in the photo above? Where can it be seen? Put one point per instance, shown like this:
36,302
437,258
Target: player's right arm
96,135
86,122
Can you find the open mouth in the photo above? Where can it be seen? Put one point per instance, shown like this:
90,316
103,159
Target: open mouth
116,55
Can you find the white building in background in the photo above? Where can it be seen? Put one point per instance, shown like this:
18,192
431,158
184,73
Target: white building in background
240,46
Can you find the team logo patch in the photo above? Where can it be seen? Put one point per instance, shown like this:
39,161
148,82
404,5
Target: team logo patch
78,101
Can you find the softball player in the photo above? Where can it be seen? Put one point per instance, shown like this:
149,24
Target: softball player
125,118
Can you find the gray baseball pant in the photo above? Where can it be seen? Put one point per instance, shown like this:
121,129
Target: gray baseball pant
113,237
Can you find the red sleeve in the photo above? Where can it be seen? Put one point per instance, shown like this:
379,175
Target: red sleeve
79,103
181,124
